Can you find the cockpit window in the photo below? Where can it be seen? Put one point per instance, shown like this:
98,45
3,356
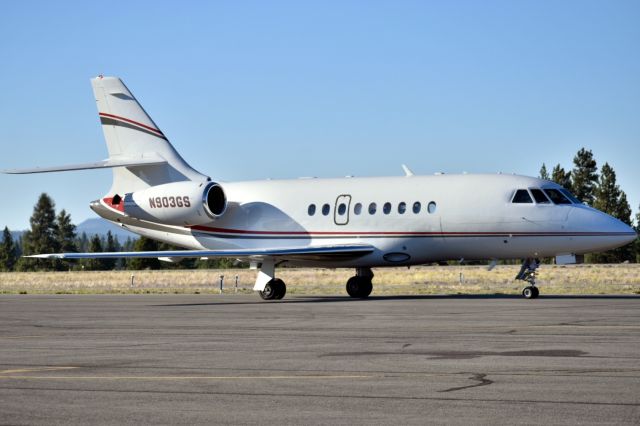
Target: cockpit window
539,196
570,196
522,196
556,196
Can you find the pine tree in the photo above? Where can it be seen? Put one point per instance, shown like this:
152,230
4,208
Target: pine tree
111,245
66,236
145,244
83,243
543,172
41,238
8,251
613,201
95,246
562,178
607,193
66,232
584,176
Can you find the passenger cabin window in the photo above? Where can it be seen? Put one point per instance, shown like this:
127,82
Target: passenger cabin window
431,207
357,209
416,207
312,209
386,208
556,196
522,196
342,209
402,207
325,209
539,196
372,208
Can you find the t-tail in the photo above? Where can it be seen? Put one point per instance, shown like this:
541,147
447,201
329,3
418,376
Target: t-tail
140,155
131,135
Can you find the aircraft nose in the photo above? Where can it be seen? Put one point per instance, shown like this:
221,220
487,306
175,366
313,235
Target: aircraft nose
611,232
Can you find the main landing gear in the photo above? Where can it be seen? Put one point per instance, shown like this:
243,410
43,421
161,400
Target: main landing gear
271,288
528,273
359,286
274,290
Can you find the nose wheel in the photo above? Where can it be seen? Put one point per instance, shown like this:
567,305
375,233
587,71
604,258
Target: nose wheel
528,274
530,292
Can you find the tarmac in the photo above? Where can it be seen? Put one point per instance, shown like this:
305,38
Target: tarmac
235,359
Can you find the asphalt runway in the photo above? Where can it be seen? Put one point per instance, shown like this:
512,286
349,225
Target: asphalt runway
234,359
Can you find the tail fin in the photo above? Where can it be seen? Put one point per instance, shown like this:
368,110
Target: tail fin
132,135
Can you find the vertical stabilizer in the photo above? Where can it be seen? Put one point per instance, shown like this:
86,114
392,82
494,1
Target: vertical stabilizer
132,135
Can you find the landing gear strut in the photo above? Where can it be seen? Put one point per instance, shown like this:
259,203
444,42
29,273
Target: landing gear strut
528,273
274,290
359,286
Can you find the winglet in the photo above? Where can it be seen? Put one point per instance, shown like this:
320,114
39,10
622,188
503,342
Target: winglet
407,170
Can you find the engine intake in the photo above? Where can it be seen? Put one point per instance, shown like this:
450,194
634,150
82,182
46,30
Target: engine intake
214,200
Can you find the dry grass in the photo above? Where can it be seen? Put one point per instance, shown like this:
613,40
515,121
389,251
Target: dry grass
573,279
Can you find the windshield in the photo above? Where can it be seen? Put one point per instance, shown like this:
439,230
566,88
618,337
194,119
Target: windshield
556,196
570,196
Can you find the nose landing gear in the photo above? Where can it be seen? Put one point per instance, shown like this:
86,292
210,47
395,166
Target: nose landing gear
528,273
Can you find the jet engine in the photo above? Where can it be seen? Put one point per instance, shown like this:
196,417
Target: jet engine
178,203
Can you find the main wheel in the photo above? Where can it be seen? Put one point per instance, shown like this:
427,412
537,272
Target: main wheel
270,291
274,290
359,287
281,288
366,288
353,286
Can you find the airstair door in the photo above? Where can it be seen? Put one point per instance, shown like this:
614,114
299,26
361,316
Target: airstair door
341,210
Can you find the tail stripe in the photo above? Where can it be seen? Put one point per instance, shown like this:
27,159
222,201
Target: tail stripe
116,120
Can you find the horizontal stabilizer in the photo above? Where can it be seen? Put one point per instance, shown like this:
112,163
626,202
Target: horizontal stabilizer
105,164
293,253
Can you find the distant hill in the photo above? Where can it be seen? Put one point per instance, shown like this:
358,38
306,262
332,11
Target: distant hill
91,226
16,235
101,227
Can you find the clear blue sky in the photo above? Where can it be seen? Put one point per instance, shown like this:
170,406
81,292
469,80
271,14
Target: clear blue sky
251,90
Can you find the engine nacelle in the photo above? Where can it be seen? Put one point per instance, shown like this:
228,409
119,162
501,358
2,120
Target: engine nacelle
178,203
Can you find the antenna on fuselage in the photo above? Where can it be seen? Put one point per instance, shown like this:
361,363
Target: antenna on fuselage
407,170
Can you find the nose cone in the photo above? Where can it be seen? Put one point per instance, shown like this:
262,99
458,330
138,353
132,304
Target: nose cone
600,231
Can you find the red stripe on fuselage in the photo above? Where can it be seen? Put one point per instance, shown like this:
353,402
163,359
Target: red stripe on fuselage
117,117
399,233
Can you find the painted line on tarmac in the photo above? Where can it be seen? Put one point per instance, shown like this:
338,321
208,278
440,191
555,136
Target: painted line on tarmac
294,377
9,373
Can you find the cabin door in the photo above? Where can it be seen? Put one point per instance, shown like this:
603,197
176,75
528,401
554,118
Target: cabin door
341,210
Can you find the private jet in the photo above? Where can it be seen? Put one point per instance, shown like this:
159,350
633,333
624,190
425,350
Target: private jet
353,222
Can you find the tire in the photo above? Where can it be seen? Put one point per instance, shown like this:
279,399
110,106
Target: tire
270,291
359,287
281,288
536,292
365,288
528,292
353,287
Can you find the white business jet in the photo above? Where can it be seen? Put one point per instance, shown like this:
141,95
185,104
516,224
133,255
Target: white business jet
335,223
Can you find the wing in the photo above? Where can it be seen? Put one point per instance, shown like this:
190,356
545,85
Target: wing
290,253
